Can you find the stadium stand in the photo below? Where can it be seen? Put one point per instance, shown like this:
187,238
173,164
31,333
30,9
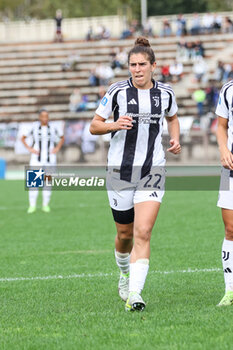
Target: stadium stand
31,76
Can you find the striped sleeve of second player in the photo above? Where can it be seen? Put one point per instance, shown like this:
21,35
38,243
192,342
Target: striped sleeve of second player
224,101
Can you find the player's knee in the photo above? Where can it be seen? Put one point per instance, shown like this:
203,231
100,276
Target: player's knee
229,231
124,234
142,232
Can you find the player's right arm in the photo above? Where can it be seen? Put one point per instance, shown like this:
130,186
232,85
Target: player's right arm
30,149
225,154
100,127
104,111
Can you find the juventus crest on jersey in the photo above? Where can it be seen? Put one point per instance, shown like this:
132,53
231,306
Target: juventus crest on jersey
147,109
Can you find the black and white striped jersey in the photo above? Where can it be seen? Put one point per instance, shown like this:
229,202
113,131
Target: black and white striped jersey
224,109
44,140
141,146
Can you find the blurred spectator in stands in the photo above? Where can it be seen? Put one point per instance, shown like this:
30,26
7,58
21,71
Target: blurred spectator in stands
198,50
166,28
88,142
128,32
147,29
165,73
78,102
176,70
58,19
100,95
119,58
89,35
181,25
230,76
208,22
219,71
189,50
105,33
136,25
181,51
98,33
104,73
212,93
195,24
93,78
199,97
190,47
227,26
217,23
200,70
113,54
122,57
227,75
102,33
71,62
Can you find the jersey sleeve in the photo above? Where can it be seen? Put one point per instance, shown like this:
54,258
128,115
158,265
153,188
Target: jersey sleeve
27,129
60,130
221,109
172,105
105,107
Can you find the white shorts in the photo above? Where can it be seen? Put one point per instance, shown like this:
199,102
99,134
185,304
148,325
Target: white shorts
123,195
225,197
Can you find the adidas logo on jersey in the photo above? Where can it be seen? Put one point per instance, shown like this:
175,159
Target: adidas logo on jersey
153,194
132,102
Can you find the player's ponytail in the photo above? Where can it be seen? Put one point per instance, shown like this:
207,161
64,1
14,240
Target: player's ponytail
142,45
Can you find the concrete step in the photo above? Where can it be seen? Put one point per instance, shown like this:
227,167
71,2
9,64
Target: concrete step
46,84
17,111
124,73
47,92
157,42
90,51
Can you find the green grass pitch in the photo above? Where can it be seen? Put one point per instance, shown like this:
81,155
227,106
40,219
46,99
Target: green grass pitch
58,278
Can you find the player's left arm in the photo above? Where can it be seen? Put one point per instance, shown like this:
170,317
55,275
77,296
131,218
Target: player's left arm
59,145
174,132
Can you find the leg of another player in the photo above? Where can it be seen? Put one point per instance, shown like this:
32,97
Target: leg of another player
145,216
33,194
227,257
46,196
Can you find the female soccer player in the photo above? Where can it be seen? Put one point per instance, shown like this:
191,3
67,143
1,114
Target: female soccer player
224,112
43,153
135,163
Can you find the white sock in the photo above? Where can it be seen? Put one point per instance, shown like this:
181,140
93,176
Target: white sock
227,263
46,196
33,194
137,275
122,260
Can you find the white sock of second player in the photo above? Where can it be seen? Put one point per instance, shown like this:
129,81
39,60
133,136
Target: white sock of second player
46,196
33,194
227,262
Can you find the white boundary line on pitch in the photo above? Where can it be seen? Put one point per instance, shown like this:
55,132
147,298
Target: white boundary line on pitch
89,275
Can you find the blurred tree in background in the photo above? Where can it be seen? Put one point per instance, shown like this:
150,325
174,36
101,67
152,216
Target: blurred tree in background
18,9
165,7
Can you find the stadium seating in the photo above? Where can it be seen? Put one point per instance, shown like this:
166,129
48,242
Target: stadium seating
31,74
